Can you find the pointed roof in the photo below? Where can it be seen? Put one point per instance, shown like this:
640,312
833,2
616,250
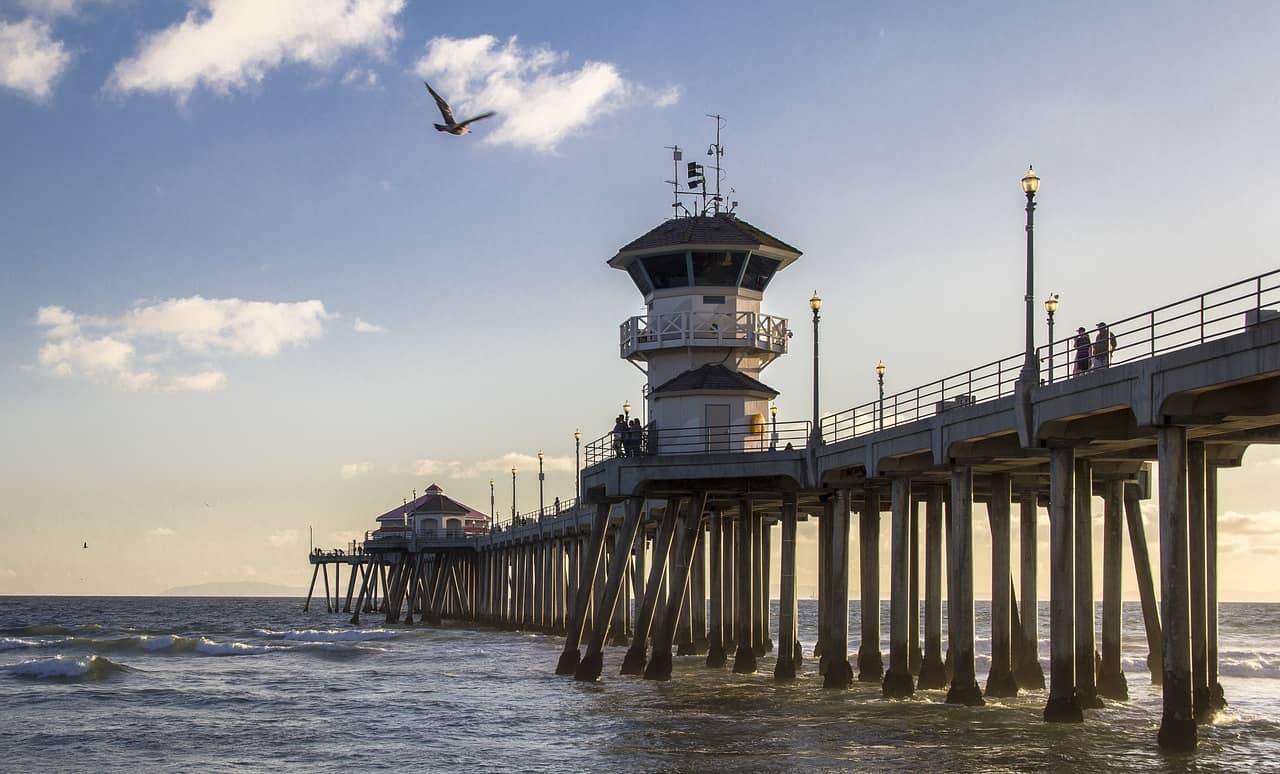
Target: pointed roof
713,377
723,230
433,500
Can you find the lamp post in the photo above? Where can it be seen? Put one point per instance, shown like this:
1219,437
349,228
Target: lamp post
880,369
541,478
1051,307
493,513
1030,368
513,494
626,409
773,416
577,464
815,303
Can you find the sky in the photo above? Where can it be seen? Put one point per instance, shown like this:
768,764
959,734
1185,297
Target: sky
248,295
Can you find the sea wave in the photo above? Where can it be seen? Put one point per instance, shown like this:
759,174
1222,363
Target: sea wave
327,635
66,668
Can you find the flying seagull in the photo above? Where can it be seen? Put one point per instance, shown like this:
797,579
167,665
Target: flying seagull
86,545
451,126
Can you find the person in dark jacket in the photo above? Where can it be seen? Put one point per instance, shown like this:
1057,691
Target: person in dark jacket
1081,344
619,435
1103,345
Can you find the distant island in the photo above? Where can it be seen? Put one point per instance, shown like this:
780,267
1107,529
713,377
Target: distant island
234,589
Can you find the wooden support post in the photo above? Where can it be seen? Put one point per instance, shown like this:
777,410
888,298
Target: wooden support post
1000,681
1201,698
568,664
351,588
789,653
1086,643
824,587
758,617
729,583
870,661
659,666
933,674
715,634
839,672
363,596
1218,696
636,659
1178,724
593,662
766,558
1146,584
698,591
744,661
964,681
1062,705
1028,671
914,653
311,589
898,681
328,597
1111,682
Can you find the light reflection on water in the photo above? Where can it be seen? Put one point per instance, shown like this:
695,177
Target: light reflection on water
455,699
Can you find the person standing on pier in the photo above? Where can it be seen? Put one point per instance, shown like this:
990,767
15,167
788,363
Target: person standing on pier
1081,343
619,435
1103,345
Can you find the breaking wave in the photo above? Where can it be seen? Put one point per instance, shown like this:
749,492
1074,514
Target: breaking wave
63,668
327,635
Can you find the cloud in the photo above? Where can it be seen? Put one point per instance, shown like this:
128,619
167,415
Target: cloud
539,100
205,381
166,333
161,532
1264,523
361,78
31,60
344,536
354,470
54,9
364,326
229,45
282,537
493,466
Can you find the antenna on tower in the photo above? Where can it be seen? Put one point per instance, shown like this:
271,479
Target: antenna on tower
716,152
674,182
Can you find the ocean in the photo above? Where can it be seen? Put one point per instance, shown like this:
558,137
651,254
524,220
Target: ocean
255,684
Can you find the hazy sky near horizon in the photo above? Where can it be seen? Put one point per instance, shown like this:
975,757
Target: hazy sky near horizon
248,291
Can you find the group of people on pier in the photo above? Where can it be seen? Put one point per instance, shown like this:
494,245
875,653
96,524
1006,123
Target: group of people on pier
1096,353
628,437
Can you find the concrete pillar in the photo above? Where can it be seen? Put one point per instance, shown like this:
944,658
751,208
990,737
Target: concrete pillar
1201,698
1028,671
1062,705
1146,586
698,590
744,661
870,663
690,524
788,632
1086,643
933,674
766,558
914,655
635,660
964,682
592,664
621,556
824,585
758,618
684,624
569,659
839,673
1000,681
898,682
715,635
729,581
1111,681
1218,697
1178,724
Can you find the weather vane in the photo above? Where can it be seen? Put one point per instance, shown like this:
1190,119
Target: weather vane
696,179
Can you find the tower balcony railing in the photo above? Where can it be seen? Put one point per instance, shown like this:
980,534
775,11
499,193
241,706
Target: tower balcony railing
649,332
743,438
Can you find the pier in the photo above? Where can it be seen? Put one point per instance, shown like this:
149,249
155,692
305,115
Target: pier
666,553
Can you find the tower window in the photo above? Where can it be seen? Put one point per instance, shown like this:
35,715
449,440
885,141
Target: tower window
638,276
667,271
718,268
713,300
759,271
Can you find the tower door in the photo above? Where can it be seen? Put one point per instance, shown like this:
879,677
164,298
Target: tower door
717,427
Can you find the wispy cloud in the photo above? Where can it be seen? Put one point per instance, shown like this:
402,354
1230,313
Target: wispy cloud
354,470
540,100
364,326
282,537
229,45
496,465
161,532
139,348
31,59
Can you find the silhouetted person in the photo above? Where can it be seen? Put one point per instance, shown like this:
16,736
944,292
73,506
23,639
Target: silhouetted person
1103,345
1081,344
619,435
634,433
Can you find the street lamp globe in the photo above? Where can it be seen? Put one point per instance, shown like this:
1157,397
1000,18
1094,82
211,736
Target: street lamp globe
626,408
815,302
773,410
1051,304
577,435
513,471
1030,182
539,455
880,369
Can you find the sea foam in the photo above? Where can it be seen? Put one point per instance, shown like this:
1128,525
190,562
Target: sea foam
64,668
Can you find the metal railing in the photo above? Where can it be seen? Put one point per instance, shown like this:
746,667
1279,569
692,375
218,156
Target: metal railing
707,439
986,382
1218,313
703,329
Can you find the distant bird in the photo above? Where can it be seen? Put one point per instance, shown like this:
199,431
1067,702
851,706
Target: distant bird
451,126
86,545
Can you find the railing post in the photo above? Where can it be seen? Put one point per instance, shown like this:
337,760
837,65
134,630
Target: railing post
1153,333
1201,319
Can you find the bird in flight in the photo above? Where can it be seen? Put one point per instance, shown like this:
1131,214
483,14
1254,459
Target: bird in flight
86,545
451,126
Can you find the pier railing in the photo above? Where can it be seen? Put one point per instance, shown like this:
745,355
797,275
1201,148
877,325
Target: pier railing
1220,312
703,329
705,439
